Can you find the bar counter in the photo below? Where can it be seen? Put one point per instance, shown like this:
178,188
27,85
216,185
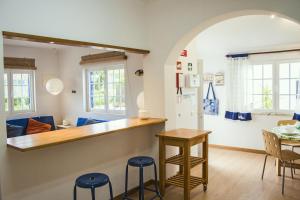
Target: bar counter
45,165
42,140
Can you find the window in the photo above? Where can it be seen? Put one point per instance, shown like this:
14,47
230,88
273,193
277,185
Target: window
261,87
273,86
106,89
289,74
19,91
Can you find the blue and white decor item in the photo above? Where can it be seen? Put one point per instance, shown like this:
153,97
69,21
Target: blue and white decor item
238,104
297,108
211,105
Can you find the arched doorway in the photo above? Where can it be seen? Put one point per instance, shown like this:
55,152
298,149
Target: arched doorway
170,94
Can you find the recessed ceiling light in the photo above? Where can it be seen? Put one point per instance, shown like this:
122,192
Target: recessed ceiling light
272,16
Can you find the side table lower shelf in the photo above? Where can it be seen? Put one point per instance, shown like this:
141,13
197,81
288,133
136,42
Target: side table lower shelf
178,180
179,160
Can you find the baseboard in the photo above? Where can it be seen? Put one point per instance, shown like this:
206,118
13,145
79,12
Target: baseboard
237,148
134,190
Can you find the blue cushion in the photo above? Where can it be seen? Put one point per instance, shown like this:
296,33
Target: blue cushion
86,121
19,122
81,121
24,121
14,130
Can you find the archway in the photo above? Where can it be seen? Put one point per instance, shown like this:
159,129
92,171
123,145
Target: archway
170,94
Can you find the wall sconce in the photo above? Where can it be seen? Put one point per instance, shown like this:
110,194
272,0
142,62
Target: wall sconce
54,86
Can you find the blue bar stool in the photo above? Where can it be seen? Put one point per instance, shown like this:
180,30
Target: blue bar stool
141,162
92,181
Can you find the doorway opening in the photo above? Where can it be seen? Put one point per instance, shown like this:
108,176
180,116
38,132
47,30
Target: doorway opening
203,52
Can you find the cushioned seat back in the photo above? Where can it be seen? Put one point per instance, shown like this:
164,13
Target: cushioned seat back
19,122
24,122
86,121
47,120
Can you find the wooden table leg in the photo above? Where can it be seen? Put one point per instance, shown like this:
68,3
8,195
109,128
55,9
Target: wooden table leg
278,167
187,171
205,164
162,166
180,167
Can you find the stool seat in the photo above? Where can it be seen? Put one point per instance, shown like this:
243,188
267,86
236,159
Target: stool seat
92,180
140,161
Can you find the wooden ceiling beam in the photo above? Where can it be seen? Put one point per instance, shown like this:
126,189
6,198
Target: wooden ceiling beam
51,40
103,57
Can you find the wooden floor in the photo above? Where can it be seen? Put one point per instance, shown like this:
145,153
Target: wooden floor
237,176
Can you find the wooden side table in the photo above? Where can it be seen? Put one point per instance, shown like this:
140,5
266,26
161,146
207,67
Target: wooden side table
184,139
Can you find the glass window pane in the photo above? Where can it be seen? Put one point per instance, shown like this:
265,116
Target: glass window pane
257,101
267,90
257,86
116,75
293,86
295,70
293,102
284,86
257,71
284,71
17,79
284,102
267,102
110,74
268,71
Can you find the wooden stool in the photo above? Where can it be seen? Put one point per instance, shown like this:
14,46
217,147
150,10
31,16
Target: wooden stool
184,139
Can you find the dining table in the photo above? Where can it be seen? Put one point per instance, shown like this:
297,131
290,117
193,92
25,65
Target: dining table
290,136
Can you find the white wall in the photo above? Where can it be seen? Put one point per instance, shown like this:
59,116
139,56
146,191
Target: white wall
47,64
71,72
165,27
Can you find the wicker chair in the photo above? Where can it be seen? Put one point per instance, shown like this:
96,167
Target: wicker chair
273,148
290,143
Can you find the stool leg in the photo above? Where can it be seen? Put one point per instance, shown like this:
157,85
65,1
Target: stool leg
110,191
141,191
74,193
126,183
156,182
93,193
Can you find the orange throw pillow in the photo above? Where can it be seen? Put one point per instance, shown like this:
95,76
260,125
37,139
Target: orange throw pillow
34,127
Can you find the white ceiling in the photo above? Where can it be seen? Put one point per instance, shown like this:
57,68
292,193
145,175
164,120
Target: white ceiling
249,33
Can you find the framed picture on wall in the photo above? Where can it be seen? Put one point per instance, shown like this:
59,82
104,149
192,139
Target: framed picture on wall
178,65
208,77
219,79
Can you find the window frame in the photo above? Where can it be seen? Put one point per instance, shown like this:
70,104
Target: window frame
10,92
276,85
105,68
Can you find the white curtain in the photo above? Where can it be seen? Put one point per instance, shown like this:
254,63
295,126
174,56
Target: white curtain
238,86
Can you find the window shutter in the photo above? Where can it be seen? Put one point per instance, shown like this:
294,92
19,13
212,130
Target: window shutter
19,63
103,57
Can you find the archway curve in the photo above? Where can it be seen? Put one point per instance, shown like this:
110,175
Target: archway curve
170,112
188,37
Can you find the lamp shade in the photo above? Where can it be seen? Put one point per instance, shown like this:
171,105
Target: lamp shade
54,86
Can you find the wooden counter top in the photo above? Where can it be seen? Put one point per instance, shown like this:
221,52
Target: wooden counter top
42,140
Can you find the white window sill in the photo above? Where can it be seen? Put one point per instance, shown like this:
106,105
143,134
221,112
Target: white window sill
273,114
